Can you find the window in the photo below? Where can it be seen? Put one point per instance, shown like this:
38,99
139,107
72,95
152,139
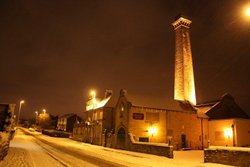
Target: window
95,116
122,108
101,115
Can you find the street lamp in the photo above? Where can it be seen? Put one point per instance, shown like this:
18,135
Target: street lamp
152,131
19,111
44,111
36,112
248,11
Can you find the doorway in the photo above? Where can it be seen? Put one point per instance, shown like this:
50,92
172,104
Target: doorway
183,141
121,138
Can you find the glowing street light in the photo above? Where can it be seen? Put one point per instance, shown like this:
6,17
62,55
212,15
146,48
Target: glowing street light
248,11
19,111
228,133
44,111
36,112
93,94
152,131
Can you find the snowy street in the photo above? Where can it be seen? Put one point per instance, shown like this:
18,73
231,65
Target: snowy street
32,149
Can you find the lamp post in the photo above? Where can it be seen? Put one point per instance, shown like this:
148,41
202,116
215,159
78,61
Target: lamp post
36,112
152,131
44,111
19,111
91,114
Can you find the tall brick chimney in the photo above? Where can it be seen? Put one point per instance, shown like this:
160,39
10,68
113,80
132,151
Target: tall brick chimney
184,86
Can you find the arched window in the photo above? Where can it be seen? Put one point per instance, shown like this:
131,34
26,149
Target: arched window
122,109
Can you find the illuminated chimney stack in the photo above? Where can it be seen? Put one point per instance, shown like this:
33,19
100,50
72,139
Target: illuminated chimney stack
184,87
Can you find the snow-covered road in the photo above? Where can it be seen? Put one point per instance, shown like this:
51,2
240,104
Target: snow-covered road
27,151
32,149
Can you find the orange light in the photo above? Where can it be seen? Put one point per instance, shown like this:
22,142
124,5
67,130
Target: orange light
228,133
248,11
152,131
93,93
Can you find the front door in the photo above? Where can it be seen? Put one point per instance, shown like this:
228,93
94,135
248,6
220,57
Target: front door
121,138
183,141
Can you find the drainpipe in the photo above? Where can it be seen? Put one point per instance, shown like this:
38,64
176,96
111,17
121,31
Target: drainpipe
233,134
202,143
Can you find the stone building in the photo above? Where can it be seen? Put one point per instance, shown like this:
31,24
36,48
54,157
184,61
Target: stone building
67,121
110,124
124,123
228,124
98,121
177,127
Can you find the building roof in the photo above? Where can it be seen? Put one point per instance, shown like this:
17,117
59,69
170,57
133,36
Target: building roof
160,103
225,107
67,115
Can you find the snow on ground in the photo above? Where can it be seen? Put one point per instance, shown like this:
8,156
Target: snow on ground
23,150
247,149
26,152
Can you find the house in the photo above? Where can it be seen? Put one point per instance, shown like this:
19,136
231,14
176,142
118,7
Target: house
66,122
228,124
98,120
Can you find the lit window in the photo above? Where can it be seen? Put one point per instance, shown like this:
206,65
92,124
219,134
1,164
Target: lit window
122,108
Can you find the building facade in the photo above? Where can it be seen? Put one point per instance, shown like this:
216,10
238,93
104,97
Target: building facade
67,121
98,121
122,123
110,126
228,124
156,125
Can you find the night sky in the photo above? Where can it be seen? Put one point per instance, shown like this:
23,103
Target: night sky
52,52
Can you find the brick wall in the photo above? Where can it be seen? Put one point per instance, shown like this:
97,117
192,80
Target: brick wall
189,124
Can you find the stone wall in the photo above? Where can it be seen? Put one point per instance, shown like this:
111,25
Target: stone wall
228,157
4,147
151,148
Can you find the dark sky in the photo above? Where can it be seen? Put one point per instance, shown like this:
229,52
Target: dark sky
54,51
